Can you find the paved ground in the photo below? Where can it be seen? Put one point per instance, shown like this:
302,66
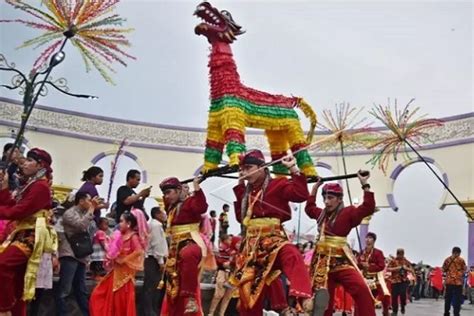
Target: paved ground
429,307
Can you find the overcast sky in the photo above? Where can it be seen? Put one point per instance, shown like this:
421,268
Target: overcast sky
327,52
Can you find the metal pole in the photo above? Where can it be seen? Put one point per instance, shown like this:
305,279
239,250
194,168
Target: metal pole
348,189
439,178
299,223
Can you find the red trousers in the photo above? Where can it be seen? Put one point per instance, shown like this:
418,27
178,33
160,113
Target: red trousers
342,300
385,299
189,258
290,261
13,263
355,285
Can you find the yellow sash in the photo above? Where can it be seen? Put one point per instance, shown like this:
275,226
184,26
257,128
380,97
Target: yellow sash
178,231
46,240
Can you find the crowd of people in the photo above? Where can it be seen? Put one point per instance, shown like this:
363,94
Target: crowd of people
260,266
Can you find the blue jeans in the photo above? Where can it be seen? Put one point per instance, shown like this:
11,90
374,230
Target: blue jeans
72,275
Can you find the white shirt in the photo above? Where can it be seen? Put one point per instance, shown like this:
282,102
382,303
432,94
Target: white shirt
157,245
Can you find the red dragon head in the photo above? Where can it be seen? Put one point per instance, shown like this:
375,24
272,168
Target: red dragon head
217,26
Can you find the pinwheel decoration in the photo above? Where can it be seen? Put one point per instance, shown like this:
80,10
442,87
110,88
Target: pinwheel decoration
404,127
90,25
406,130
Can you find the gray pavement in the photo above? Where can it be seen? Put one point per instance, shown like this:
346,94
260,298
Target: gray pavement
429,307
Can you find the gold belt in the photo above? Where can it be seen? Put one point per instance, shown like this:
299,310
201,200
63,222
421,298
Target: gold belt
331,246
181,232
263,226
184,229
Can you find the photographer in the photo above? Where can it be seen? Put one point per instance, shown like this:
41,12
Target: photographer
13,167
399,267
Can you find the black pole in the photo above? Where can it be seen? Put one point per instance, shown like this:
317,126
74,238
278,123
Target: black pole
29,102
348,189
438,177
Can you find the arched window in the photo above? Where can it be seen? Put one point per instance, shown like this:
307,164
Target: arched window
418,225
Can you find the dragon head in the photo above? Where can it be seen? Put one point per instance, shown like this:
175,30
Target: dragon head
217,26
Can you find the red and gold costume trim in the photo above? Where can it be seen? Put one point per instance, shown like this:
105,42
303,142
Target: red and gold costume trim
373,279
180,236
126,267
264,238
33,236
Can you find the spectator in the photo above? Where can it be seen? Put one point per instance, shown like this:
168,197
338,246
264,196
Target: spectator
100,244
213,220
154,263
223,220
92,177
454,267
470,284
13,167
72,273
127,197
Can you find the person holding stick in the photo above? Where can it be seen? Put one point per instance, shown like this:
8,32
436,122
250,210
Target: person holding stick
261,207
187,247
372,264
21,252
333,261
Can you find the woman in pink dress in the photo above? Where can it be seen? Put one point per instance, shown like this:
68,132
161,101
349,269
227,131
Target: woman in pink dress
115,294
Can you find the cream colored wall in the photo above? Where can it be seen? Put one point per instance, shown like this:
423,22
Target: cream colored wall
72,155
456,161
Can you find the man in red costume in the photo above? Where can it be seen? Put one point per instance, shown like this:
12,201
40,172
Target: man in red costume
21,252
187,247
224,257
333,261
372,264
399,267
261,207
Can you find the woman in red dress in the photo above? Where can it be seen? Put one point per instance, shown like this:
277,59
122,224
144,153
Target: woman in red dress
115,294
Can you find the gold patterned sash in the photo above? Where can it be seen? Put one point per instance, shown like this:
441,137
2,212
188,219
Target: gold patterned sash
179,234
264,239
328,247
46,240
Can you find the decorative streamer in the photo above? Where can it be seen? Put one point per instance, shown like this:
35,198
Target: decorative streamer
91,26
406,131
350,130
114,164
404,126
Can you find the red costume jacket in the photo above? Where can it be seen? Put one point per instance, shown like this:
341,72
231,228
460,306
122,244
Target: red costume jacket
36,197
191,209
375,258
279,192
348,217
398,276
225,255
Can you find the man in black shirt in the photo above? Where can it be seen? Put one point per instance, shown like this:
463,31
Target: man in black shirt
127,197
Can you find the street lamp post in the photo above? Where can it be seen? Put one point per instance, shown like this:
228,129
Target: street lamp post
34,85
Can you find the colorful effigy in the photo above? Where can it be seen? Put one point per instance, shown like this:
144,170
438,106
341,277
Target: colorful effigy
234,107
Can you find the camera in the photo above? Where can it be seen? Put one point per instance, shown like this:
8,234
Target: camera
3,165
402,272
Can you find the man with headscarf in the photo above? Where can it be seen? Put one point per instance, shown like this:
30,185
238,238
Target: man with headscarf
20,254
372,264
186,249
333,261
261,207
